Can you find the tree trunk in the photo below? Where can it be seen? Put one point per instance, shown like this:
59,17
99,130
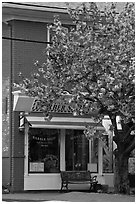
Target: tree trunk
121,180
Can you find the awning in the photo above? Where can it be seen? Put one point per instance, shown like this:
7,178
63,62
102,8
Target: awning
61,121
22,102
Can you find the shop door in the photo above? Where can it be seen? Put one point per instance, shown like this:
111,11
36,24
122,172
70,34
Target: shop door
76,150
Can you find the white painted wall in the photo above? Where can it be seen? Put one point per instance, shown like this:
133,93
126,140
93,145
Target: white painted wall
106,179
42,182
109,179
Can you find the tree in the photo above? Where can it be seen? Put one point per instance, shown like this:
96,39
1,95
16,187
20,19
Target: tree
91,68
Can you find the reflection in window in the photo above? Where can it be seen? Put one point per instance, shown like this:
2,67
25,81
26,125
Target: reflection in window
107,154
77,150
44,150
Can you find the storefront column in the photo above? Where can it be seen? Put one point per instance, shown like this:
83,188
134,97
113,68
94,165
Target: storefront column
90,156
62,150
92,165
26,149
100,157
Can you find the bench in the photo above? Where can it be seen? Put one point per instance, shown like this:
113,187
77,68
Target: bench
78,177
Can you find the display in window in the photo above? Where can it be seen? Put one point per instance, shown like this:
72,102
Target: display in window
51,163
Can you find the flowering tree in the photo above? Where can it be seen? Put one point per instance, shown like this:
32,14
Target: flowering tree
91,68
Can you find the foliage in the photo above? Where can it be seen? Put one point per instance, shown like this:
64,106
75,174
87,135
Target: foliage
51,161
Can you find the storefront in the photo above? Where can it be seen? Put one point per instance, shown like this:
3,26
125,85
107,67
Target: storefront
60,144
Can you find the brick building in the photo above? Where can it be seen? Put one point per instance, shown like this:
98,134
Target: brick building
28,148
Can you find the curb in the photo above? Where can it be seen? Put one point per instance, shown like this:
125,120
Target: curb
21,200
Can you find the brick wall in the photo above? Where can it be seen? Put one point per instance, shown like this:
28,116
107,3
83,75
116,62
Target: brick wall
17,155
24,54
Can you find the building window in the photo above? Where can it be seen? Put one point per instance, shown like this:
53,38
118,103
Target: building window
44,150
77,150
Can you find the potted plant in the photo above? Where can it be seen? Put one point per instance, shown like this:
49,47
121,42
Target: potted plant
50,163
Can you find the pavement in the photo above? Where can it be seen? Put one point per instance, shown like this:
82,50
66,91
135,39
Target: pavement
75,196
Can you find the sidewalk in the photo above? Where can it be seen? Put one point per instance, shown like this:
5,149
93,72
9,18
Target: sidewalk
70,196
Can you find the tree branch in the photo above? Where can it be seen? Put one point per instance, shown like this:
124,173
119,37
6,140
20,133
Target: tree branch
89,99
130,91
103,109
86,75
130,147
128,133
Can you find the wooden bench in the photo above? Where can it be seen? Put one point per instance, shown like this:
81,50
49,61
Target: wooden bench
78,177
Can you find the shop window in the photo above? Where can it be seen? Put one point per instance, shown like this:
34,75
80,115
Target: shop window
107,154
44,150
77,150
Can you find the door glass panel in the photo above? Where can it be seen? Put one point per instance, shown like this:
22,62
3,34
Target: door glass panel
77,150
108,154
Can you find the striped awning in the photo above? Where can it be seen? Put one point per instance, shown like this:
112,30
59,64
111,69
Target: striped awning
61,121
